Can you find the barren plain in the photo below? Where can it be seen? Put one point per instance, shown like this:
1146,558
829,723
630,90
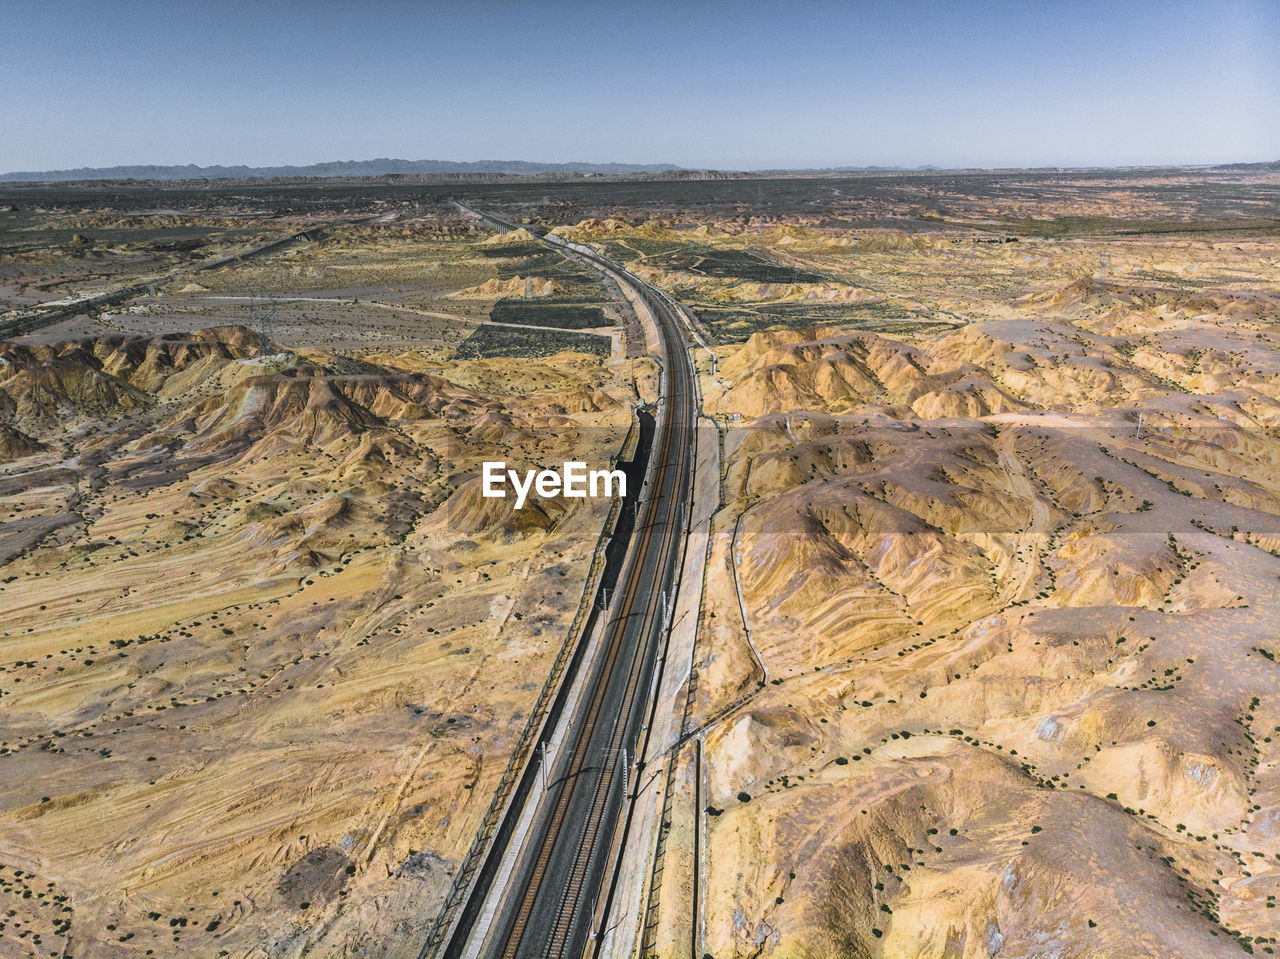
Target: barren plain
987,649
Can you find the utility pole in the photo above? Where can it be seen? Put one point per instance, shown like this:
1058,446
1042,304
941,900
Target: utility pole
595,932
1104,261
542,765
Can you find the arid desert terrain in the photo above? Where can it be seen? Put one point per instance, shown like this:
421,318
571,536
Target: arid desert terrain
988,618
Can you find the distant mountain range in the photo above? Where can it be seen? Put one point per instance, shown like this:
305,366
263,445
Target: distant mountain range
1272,166
338,168
390,167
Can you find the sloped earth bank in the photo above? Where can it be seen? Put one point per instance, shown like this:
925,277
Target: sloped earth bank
1011,681
266,651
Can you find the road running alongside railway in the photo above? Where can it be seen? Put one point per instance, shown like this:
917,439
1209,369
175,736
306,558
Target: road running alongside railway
538,889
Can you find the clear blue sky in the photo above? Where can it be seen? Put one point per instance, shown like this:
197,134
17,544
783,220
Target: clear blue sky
731,85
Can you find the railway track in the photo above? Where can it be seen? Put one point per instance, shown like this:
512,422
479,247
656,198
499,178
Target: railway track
546,909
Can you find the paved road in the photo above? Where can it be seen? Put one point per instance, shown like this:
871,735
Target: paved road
546,909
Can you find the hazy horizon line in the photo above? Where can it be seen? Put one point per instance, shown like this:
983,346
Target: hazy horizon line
537,167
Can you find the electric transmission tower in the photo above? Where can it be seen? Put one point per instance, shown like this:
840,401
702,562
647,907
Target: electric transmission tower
262,313
1104,261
